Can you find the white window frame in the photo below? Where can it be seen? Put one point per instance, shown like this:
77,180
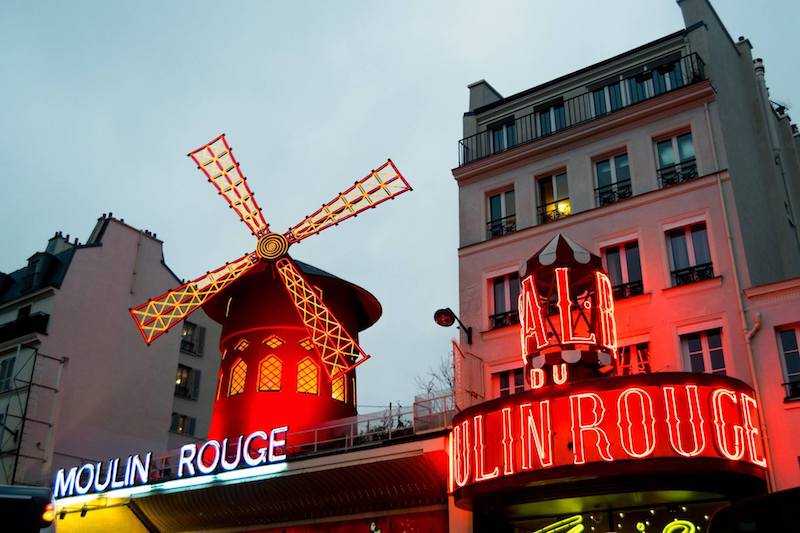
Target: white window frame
552,116
687,234
612,162
504,129
512,388
554,182
506,290
503,204
623,258
784,369
7,382
704,349
673,138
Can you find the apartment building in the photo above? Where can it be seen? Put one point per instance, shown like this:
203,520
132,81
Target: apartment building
670,162
77,384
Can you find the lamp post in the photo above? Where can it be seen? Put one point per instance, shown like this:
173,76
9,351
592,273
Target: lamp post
446,317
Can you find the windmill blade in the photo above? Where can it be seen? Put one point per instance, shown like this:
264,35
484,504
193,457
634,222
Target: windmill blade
338,351
216,161
155,317
378,186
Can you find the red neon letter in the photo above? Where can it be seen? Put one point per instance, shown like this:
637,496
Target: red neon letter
565,310
579,427
696,422
531,317
480,446
461,453
605,312
720,423
560,374
748,406
537,378
531,434
645,422
508,443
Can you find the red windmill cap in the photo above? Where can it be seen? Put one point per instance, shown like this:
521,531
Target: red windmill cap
560,252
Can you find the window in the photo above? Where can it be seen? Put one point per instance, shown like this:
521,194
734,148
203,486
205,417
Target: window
551,118
676,161
23,312
269,374
307,377
624,269
182,424
306,343
613,180
553,197
637,88
193,338
505,294
704,351
791,362
273,341
502,214
511,382
237,379
608,98
187,382
338,389
7,373
504,136
690,259
634,359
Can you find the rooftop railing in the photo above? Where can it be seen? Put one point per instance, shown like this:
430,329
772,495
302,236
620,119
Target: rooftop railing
565,113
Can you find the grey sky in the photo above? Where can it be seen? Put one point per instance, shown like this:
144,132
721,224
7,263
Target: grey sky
101,101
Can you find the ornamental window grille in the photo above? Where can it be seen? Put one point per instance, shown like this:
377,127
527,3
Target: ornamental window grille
306,344
269,374
241,345
273,341
338,391
238,375
307,377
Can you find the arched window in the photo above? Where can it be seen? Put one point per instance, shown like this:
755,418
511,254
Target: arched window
269,374
238,374
338,388
307,377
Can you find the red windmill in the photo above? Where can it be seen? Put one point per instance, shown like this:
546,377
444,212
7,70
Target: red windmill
262,329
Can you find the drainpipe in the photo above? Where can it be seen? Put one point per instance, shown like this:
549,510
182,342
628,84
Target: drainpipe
749,332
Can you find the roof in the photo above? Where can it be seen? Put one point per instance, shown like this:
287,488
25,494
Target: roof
43,270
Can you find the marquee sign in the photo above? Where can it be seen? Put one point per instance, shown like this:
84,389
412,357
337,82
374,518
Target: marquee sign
197,463
604,421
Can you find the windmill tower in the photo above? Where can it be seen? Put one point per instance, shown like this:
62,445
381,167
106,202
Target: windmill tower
289,330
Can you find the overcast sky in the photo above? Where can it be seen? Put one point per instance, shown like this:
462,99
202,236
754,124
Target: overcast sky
102,100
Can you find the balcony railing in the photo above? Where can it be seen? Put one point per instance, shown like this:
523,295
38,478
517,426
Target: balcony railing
33,323
554,211
676,174
608,194
692,274
501,226
628,290
501,320
579,110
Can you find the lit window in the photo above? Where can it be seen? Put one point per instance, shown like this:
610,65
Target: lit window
182,424
273,341
703,351
269,374
613,180
338,389
690,258
511,382
676,161
553,197
634,359
193,338
791,362
307,377
241,345
502,214
306,344
7,373
505,296
624,269
238,374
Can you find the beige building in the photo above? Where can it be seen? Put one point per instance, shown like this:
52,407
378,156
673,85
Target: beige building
670,162
77,382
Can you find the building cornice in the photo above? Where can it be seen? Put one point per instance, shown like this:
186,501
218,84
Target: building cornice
771,290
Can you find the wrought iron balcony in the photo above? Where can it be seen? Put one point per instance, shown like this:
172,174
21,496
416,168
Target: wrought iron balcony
33,323
692,274
628,290
580,109
554,211
678,173
608,194
501,226
501,320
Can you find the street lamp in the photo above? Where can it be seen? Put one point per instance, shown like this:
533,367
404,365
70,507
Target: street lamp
446,317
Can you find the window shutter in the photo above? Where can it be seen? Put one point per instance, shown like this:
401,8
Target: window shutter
201,339
196,384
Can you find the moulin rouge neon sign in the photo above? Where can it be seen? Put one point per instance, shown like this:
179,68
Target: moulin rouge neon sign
668,415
